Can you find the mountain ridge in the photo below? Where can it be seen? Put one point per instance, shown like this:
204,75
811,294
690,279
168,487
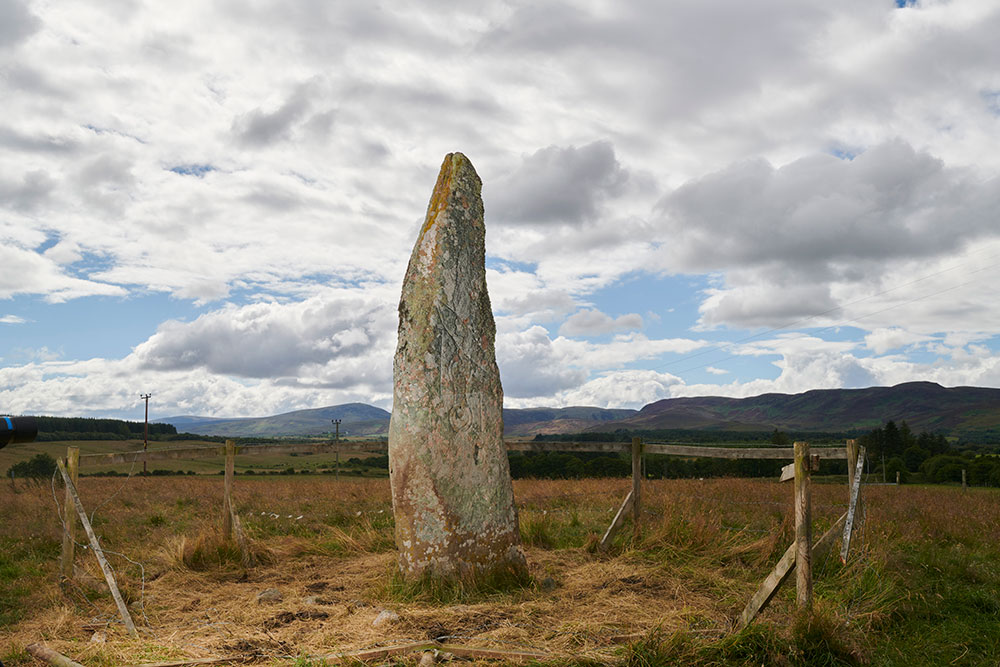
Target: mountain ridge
923,405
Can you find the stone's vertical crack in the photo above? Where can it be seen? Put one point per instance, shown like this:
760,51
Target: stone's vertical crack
452,495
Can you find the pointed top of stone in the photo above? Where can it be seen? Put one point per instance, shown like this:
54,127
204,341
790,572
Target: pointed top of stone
457,179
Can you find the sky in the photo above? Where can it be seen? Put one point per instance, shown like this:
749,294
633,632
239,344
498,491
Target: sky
214,201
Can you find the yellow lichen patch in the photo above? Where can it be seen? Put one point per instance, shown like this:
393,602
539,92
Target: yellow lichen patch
442,189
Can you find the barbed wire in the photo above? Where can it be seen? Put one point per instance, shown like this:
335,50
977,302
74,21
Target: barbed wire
63,518
118,490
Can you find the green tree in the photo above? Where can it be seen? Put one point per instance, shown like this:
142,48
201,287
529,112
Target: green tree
40,466
914,456
780,438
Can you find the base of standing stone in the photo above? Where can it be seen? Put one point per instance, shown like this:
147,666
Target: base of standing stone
503,578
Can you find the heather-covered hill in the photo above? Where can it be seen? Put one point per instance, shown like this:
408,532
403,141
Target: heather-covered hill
925,406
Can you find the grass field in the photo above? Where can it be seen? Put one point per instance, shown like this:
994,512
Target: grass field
208,466
923,587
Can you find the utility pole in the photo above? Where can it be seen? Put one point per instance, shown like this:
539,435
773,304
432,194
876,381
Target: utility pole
336,439
145,433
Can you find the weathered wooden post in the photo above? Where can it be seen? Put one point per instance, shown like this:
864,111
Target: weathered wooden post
852,462
95,546
964,486
452,496
45,654
853,505
636,485
227,499
803,528
69,529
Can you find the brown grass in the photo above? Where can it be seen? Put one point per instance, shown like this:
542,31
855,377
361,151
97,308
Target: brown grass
328,545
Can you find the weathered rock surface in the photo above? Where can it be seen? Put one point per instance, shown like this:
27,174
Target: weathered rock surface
451,489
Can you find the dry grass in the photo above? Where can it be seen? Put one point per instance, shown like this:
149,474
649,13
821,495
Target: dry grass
327,547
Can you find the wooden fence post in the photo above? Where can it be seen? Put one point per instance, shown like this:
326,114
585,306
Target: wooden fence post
852,463
69,532
803,528
964,485
227,499
96,547
636,484
853,507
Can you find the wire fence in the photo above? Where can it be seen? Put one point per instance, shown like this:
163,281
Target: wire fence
608,502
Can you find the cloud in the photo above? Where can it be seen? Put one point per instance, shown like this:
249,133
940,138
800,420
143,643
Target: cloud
535,367
883,340
817,212
650,58
530,365
17,23
257,128
766,305
96,387
622,389
30,194
592,322
12,319
334,340
559,185
27,272
785,237
18,141
305,140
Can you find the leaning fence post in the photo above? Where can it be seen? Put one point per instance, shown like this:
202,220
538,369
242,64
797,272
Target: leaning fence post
227,500
636,486
803,528
852,463
96,547
853,507
69,528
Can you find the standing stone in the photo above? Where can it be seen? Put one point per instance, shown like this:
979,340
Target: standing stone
451,489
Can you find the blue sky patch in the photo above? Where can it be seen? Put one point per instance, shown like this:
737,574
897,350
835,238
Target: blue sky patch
96,322
198,170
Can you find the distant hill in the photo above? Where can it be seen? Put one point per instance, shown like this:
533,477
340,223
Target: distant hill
532,421
961,411
923,405
358,419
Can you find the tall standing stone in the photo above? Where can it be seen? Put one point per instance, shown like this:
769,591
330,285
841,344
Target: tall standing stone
451,489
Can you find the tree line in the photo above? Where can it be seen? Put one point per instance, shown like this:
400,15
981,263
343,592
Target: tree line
52,429
928,457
